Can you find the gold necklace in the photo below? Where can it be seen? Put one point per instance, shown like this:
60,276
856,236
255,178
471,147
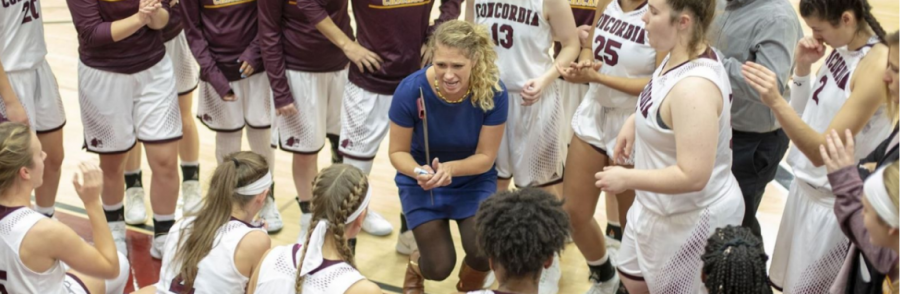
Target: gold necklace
437,89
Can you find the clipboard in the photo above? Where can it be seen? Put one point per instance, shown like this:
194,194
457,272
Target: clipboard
423,114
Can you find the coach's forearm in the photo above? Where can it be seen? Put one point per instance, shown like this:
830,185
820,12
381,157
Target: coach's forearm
404,163
473,165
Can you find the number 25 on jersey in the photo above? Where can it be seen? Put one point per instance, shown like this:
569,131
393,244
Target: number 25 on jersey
606,50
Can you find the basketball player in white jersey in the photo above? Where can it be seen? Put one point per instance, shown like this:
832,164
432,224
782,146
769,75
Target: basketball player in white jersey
847,93
217,250
531,150
679,138
31,258
34,99
340,201
625,60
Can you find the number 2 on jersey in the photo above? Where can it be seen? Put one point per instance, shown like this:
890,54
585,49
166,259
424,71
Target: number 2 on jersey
822,83
507,40
609,47
29,7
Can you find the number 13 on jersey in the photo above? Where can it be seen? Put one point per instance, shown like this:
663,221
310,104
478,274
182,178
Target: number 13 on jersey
503,35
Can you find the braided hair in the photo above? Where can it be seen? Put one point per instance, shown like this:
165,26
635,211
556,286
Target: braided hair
735,262
338,191
831,11
520,230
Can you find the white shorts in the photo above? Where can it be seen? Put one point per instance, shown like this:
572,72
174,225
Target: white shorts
314,95
810,248
665,250
531,151
571,95
187,72
252,108
599,126
74,285
39,95
364,122
119,109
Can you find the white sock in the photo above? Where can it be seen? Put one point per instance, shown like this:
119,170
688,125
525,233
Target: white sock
112,207
600,261
44,210
259,140
132,172
364,165
227,143
614,224
190,163
164,217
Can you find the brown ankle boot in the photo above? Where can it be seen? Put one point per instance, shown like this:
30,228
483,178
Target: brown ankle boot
413,283
470,279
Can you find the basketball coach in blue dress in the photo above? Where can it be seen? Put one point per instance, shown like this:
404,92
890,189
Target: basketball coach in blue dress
447,121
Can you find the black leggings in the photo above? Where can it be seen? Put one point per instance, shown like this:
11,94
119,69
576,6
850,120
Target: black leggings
438,255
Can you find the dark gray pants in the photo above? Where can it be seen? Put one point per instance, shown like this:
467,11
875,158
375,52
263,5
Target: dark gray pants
756,158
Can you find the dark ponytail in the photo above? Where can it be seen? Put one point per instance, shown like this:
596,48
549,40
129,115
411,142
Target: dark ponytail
873,23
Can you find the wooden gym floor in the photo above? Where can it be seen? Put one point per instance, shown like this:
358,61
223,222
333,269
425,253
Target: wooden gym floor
376,257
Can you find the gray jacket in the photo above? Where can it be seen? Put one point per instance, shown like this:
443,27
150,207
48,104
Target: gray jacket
772,29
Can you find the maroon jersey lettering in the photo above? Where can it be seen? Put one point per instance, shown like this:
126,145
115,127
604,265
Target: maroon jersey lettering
646,98
506,11
838,69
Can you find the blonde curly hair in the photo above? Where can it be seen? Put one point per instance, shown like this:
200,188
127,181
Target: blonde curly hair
475,43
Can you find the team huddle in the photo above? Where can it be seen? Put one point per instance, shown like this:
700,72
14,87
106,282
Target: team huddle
678,111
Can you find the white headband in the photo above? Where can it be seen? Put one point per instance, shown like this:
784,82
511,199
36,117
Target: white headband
879,199
256,187
314,256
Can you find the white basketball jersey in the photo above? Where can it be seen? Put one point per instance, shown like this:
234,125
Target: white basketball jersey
278,274
15,277
21,35
216,272
830,91
522,38
620,43
655,148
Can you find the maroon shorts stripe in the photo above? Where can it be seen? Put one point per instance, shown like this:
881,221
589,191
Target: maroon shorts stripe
78,280
630,277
